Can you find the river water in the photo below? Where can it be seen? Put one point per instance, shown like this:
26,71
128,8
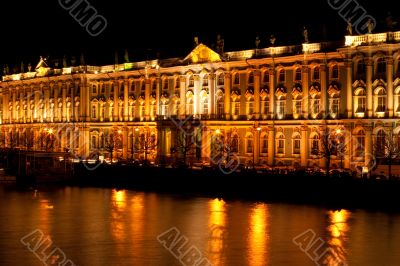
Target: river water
91,226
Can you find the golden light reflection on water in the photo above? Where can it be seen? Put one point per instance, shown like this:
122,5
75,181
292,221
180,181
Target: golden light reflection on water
217,227
118,199
137,222
338,230
259,235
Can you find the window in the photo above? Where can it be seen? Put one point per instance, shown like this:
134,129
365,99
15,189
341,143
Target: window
132,88
204,105
250,106
361,72
249,146
315,145
235,144
189,106
175,108
166,84
236,79
143,87
103,88
177,83
94,89
316,73
297,77
266,77
236,108
360,144
298,106
221,80
335,72
381,101
296,144
205,81
191,82
94,142
94,112
280,108
265,106
220,106
112,89
315,105
361,99
334,107
164,109
381,143
251,79
282,75
264,143
381,68
281,145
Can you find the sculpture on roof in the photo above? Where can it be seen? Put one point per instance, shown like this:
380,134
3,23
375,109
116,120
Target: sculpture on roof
220,44
349,28
305,35
370,26
272,40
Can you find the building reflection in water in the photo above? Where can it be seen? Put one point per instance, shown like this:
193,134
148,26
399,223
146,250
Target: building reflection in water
118,206
258,240
217,227
338,231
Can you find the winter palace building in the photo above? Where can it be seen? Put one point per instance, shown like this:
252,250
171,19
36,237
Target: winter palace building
270,106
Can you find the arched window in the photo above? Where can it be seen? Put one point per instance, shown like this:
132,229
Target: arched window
380,143
249,144
204,104
381,68
236,107
175,107
94,142
166,84
266,77
221,79
94,112
265,105
335,72
282,76
205,81
220,104
94,89
250,105
103,88
281,144
235,144
381,97
191,82
264,144
297,106
297,76
189,104
315,145
316,73
250,81
236,80
360,144
281,107
296,144
177,83
360,101
360,70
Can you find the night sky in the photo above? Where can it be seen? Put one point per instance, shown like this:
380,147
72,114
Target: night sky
166,29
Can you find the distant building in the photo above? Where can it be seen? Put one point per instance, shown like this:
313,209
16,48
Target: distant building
272,105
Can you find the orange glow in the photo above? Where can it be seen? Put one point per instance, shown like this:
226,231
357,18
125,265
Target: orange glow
137,211
338,229
118,228
217,227
259,235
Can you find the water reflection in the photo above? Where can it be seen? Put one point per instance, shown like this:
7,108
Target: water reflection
338,230
137,222
217,227
118,203
258,235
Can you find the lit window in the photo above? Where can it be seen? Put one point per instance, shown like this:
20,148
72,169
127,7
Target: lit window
282,75
335,72
281,145
296,145
249,147
297,77
264,148
316,73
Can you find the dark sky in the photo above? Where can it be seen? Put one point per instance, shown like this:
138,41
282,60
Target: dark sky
145,28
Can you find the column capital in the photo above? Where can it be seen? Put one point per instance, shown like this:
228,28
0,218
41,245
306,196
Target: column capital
228,75
389,60
369,61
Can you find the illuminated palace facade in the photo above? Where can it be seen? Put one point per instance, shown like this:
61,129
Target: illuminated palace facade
272,104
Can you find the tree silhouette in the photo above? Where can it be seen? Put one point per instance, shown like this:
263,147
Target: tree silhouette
387,147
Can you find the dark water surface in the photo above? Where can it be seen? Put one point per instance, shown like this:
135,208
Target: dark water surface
108,227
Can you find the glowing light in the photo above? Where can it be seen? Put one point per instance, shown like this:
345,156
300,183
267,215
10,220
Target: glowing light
218,131
50,131
259,235
120,131
259,129
137,129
